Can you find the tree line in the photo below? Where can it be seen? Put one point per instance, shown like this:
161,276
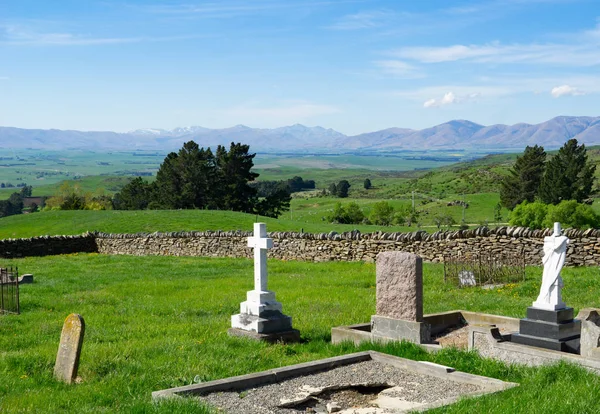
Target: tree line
197,178
14,204
540,192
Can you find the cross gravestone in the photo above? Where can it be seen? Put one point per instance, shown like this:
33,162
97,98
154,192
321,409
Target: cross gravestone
69,350
400,298
261,315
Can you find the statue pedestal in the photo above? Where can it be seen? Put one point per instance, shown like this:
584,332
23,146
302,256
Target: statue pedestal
549,329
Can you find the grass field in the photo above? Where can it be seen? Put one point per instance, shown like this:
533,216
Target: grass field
305,215
159,322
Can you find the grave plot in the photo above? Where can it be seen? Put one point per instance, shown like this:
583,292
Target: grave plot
484,269
364,382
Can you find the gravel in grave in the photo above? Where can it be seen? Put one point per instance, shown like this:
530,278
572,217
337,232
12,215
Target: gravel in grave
265,399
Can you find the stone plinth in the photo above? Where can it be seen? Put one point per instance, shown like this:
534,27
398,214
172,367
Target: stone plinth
400,286
549,329
416,332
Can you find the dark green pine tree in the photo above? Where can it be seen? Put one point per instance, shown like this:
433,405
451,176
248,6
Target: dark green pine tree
568,176
233,174
168,185
342,188
135,195
524,179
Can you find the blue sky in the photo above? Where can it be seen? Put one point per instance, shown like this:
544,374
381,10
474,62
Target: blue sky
354,66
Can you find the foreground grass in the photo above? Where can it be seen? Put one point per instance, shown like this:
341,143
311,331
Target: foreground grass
160,322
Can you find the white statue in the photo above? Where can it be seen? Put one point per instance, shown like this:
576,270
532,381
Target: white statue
555,251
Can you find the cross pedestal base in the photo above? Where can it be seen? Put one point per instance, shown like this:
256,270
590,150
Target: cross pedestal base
286,336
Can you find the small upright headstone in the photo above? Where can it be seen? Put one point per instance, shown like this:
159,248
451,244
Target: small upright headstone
466,278
260,315
69,350
400,298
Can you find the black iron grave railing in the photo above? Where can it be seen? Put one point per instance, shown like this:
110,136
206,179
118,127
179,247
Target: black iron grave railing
9,290
484,268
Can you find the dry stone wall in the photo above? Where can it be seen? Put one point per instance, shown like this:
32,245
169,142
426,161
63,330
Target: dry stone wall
48,245
584,248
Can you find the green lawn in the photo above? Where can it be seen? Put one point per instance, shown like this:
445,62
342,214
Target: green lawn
149,221
307,214
159,322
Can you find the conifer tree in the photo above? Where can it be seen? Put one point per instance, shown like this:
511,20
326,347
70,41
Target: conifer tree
524,179
568,176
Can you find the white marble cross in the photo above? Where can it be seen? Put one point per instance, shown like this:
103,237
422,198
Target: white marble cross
260,243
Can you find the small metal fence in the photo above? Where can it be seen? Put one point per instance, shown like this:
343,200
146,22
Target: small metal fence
9,290
484,268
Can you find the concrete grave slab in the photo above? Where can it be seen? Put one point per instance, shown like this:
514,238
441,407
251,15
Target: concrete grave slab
370,381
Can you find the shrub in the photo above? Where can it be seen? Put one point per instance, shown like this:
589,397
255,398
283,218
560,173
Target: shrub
351,214
530,215
572,214
569,213
382,214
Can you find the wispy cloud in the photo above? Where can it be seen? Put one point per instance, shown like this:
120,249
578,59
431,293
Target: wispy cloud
399,69
566,90
582,51
228,8
364,20
18,35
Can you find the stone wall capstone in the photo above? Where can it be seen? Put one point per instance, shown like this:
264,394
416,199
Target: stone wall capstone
584,248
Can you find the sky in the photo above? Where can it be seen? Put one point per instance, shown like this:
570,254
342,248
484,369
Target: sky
355,66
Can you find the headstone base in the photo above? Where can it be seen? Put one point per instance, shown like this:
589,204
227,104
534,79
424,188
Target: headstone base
292,335
268,322
416,332
549,329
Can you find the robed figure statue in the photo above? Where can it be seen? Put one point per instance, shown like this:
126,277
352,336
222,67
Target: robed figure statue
555,251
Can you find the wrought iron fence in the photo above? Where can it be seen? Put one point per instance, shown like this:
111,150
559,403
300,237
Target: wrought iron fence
484,268
9,290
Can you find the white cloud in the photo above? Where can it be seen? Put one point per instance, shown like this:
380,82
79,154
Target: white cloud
447,99
565,90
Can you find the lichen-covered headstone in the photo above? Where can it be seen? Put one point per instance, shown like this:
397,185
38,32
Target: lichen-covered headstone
400,286
69,350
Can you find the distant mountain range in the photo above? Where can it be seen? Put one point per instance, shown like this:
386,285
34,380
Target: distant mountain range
457,134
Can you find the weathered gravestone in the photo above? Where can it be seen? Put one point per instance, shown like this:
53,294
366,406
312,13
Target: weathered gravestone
260,315
400,298
69,350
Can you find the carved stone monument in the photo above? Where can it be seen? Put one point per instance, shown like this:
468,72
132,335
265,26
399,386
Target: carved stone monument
549,323
400,298
69,350
261,315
